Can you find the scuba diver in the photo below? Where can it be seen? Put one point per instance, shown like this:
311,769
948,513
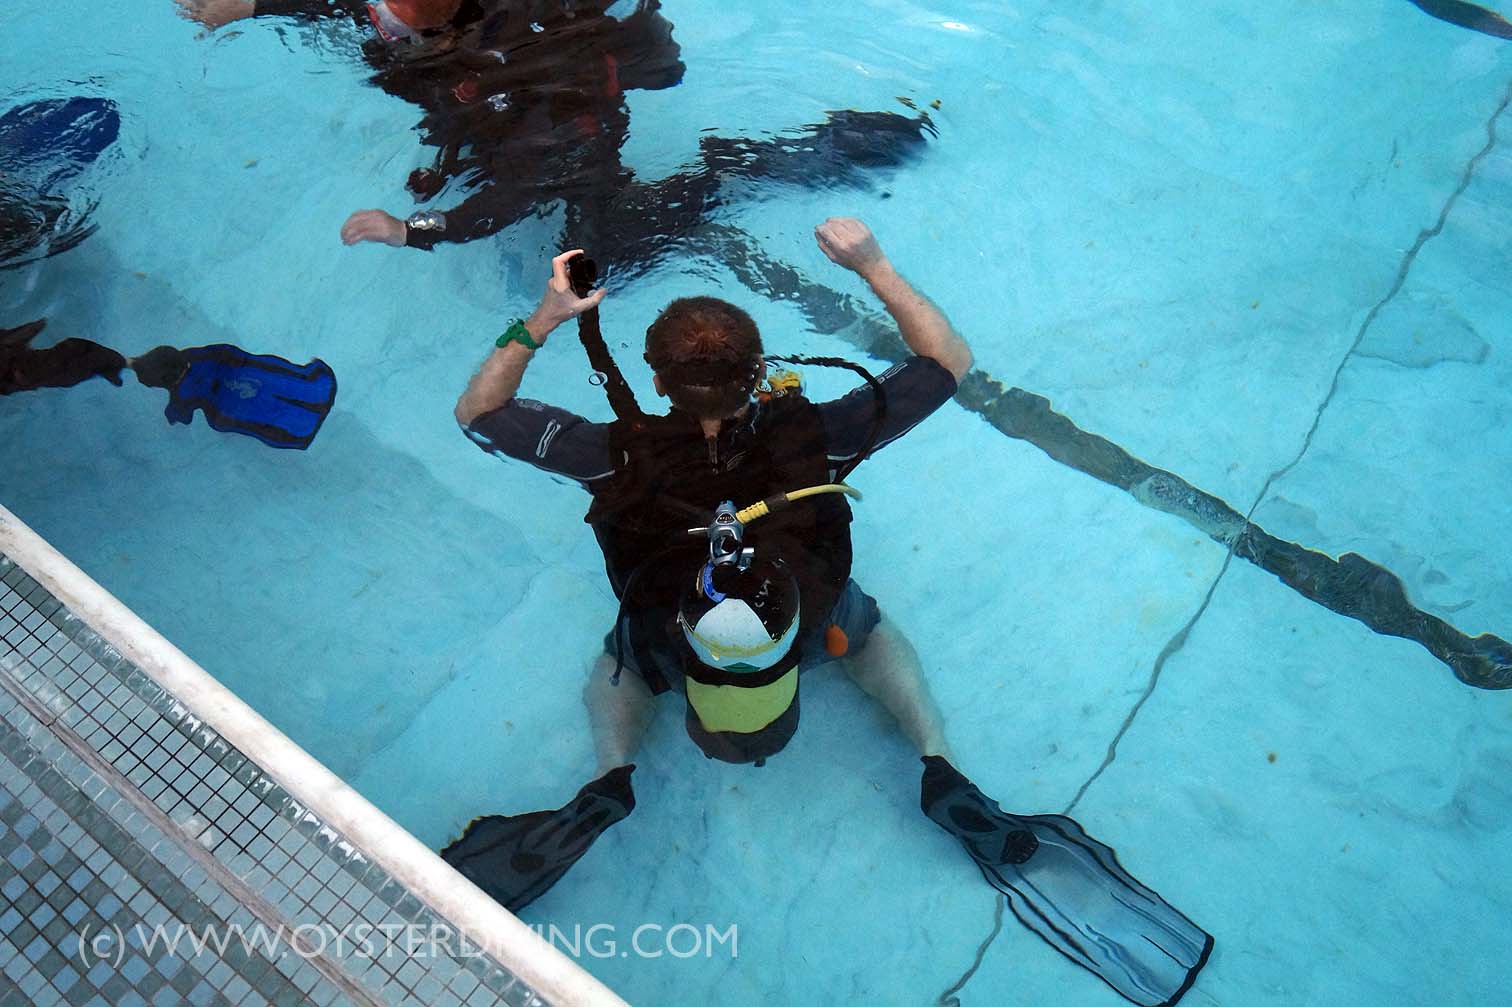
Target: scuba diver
731,604
272,399
43,146
525,105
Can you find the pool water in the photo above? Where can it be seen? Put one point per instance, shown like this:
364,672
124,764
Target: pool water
1259,247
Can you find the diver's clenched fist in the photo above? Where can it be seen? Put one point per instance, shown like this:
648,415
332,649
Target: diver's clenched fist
214,13
851,244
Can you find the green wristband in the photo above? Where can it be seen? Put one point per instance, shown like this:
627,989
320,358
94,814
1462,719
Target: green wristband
517,333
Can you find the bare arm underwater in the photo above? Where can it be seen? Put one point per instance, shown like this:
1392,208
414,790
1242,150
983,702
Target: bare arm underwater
924,328
497,381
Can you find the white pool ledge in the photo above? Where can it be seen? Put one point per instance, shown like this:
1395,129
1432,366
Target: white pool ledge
488,925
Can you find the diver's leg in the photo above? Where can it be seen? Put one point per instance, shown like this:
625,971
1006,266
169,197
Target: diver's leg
619,714
515,858
887,668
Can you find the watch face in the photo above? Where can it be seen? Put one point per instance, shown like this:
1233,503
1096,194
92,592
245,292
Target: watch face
427,221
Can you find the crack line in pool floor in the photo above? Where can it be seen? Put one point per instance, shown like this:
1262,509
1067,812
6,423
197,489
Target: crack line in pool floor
1408,261
1177,642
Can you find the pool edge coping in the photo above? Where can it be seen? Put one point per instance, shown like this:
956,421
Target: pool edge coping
486,923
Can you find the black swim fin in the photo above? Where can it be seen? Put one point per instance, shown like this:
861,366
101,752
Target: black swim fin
1070,889
516,858
1467,15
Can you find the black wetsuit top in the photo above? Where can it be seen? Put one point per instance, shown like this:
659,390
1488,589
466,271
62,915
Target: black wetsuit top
649,488
562,443
525,101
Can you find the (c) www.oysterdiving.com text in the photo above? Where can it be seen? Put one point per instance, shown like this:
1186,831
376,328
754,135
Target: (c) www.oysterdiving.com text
111,944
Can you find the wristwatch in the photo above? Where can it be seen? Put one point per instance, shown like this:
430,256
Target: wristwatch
426,220
517,333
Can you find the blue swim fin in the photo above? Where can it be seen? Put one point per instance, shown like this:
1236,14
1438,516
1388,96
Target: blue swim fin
279,402
48,142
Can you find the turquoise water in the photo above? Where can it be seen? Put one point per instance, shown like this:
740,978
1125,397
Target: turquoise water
1185,228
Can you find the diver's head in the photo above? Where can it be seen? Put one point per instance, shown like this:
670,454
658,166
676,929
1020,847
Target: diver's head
706,355
397,19
741,673
161,367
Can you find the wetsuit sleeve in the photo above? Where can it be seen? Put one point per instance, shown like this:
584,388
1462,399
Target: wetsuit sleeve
913,389
312,9
552,439
490,209
62,365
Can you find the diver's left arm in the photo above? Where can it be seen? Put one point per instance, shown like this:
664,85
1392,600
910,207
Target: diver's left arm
493,207
499,378
215,14
911,391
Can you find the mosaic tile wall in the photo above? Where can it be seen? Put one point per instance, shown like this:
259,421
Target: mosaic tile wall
124,822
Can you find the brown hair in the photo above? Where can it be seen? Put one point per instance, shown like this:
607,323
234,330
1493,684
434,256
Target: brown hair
707,353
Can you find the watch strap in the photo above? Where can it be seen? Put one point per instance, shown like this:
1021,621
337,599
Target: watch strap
517,333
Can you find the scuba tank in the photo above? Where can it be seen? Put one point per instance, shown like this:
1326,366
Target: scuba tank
733,605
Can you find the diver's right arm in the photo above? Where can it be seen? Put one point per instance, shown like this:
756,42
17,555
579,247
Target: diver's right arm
548,437
924,327
496,382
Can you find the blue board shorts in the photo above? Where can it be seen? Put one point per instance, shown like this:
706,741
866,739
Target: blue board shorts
855,612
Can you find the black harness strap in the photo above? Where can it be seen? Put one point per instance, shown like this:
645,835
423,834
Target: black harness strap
878,392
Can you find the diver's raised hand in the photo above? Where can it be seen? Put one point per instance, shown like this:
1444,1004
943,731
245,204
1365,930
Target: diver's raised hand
850,243
559,303
215,13
373,225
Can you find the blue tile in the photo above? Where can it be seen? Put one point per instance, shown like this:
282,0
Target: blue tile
64,977
32,983
47,996
16,968
101,972
134,968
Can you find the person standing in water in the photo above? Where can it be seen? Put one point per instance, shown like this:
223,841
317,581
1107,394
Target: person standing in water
734,615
